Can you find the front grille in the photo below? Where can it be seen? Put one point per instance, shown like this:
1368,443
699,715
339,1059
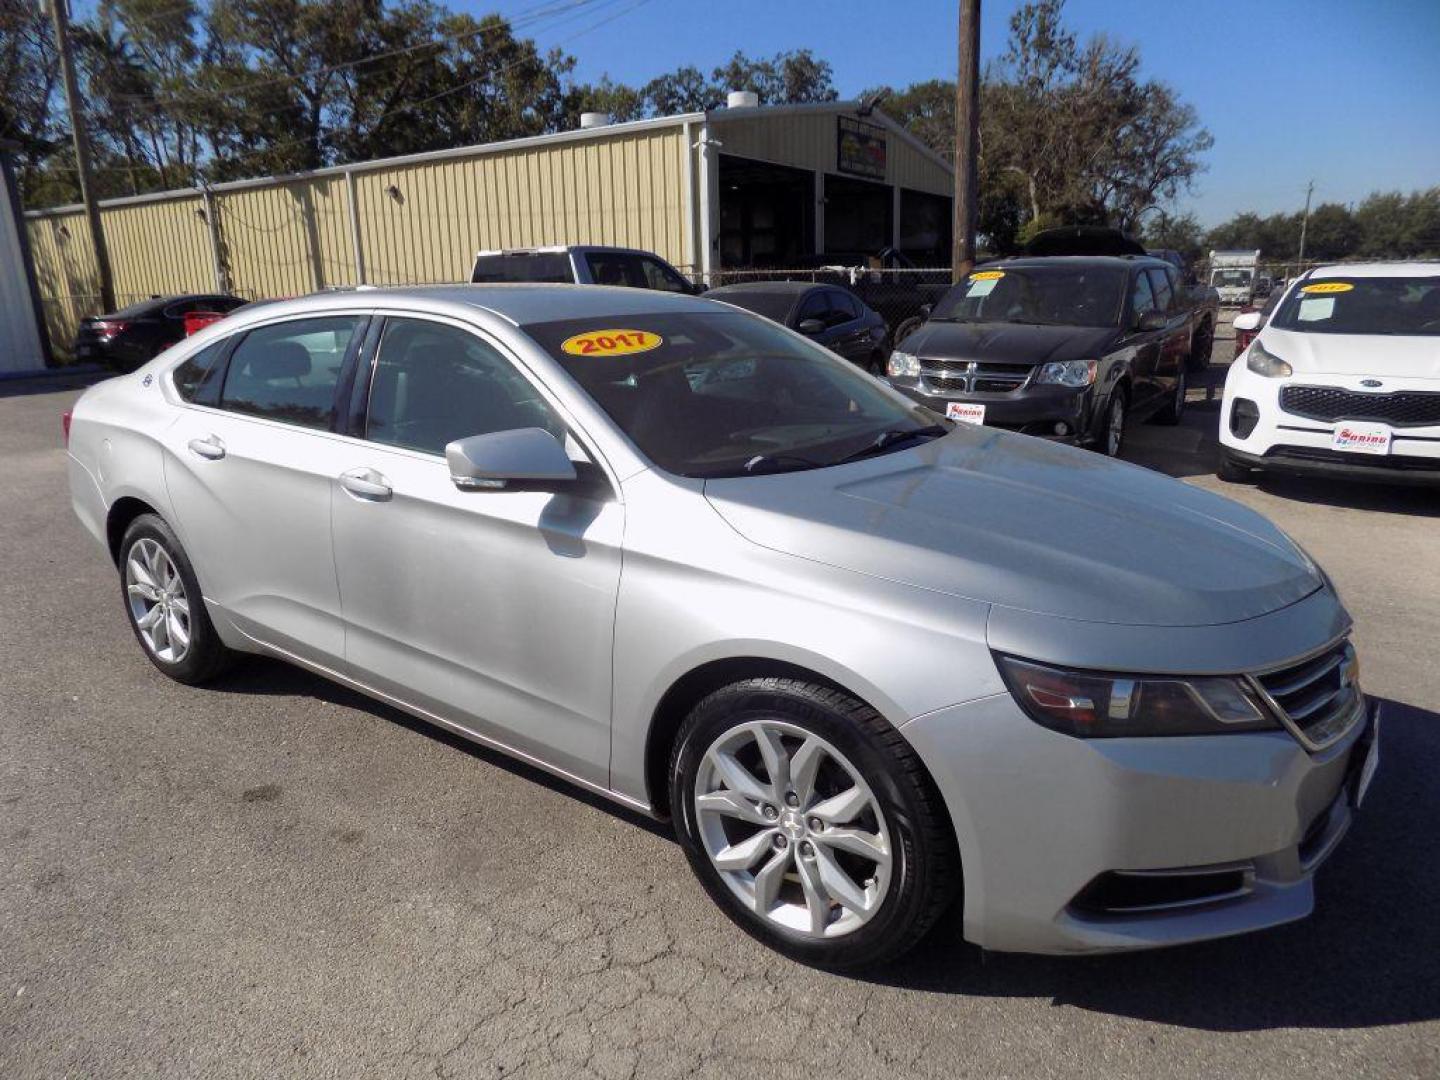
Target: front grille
1404,408
1318,698
973,377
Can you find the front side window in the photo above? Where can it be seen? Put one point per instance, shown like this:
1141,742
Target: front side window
1395,306
1053,295
1160,286
1142,299
729,394
615,268
190,376
659,276
288,371
436,383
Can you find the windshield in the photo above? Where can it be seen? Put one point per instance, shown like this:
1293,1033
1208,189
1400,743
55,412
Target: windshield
773,305
729,394
1040,295
1230,277
1390,305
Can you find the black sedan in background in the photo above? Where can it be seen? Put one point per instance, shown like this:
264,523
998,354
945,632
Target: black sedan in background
832,316
125,339
1068,348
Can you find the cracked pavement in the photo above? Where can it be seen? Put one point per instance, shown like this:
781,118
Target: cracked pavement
277,877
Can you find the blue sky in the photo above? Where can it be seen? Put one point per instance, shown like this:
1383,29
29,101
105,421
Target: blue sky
1345,93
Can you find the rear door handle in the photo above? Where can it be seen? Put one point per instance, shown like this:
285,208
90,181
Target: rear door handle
366,484
209,447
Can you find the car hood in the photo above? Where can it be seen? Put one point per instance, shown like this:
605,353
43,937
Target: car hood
1019,522
1356,354
1008,343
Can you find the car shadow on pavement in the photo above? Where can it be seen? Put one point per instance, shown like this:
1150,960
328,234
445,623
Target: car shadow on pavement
1367,957
258,675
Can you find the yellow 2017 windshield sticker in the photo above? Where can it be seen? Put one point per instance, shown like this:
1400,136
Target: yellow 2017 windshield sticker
1322,287
987,275
611,342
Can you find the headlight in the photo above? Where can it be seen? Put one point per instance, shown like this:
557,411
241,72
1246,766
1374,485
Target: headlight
1096,705
903,365
1068,373
1263,362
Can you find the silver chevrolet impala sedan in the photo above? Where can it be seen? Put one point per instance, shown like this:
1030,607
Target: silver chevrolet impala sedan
876,667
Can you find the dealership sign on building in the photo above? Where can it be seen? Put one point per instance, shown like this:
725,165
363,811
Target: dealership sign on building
861,149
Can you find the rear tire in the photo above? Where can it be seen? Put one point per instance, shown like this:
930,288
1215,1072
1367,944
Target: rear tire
811,822
1175,408
164,604
1201,345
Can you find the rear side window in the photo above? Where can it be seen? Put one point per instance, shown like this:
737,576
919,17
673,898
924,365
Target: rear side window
435,383
289,371
815,306
190,376
552,267
842,308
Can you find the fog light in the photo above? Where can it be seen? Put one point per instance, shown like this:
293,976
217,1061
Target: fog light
1244,415
1062,428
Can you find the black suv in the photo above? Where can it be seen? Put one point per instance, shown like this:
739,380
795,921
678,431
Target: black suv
1066,347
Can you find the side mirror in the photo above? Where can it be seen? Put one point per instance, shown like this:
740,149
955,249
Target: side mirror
925,310
810,326
1249,320
695,288
1150,321
491,462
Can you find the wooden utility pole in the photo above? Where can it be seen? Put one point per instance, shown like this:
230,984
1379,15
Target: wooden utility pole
967,143
1305,225
82,155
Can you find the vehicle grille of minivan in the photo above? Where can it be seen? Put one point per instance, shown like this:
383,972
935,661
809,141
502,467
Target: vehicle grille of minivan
972,377
1318,699
1404,408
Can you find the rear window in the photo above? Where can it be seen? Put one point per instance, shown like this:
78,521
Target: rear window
1391,305
551,266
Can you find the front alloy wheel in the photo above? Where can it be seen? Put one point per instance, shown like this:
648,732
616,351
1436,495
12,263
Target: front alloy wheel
1114,434
811,822
793,829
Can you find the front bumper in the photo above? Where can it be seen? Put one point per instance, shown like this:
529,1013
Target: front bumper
1031,410
1283,442
1040,817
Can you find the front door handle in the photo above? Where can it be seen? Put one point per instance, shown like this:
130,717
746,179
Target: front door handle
209,447
366,484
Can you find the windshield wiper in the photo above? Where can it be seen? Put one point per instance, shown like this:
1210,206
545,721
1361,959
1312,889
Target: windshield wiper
772,463
888,439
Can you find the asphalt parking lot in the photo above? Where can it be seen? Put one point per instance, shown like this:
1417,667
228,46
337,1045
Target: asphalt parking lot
277,877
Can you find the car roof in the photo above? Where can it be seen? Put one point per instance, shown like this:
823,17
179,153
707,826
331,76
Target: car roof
518,304
794,288
1098,261
1379,269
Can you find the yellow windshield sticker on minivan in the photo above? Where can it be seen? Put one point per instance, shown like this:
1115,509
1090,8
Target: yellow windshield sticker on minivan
1327,287
987,275
611,342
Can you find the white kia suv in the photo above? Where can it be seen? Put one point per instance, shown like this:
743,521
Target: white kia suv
1344,378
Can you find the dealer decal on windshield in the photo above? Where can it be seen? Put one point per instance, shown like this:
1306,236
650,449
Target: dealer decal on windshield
611,342
987,275
1327,287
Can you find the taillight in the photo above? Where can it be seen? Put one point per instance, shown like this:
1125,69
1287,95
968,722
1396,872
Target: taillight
108,328
65,426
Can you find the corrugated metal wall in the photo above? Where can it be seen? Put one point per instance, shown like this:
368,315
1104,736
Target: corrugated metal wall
419,222
807,140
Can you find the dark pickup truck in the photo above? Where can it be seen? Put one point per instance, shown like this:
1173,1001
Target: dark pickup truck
1065,347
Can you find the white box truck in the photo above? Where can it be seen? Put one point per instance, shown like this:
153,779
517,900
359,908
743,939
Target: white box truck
1232,273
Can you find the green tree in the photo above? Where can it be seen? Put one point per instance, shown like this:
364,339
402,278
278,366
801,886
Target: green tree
787,78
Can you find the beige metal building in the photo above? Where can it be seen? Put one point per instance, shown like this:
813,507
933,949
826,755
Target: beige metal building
744,186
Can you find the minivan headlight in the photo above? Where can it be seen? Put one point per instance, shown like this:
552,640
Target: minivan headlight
1101,705
1074,373
903,365
1263,362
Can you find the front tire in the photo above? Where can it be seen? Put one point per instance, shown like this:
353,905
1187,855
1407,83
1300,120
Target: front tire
1230,471
1110,439
811,822
164,604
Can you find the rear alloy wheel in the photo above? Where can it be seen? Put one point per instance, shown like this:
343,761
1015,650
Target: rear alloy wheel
1201,346
1112,437
163,601
810,821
